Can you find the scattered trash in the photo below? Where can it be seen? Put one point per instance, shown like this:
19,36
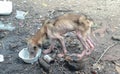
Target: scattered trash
5,7
44,64
6,26
25,56
1,58
48,59
21,14
116,37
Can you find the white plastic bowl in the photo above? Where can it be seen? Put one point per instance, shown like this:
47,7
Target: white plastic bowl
5,7
24,55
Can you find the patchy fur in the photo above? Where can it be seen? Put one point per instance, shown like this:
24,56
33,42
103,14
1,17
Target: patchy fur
54,29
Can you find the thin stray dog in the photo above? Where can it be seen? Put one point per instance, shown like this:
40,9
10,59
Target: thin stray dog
54,29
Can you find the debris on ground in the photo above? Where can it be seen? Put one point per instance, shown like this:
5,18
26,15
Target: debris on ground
1,58
48,59
5,7
7,26
21,14
44,64
116,37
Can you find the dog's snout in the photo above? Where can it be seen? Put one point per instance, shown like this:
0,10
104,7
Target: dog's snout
32,52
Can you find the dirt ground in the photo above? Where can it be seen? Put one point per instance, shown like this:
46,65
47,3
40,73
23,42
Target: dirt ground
106,16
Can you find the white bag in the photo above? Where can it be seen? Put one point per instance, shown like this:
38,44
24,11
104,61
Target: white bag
5,7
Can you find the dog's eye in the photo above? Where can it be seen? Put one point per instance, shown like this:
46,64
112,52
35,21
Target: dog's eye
34,47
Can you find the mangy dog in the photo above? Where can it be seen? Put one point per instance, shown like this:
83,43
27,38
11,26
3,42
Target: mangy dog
54,30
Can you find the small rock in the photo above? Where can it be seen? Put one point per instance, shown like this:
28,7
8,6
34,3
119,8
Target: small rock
74,65
1,58
116,37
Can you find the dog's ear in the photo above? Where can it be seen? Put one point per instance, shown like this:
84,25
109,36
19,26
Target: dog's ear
82,18
45,21
42,20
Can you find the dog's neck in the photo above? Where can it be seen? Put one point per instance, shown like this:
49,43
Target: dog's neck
39,36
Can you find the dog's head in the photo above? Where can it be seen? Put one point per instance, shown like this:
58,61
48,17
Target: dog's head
85,22
32,47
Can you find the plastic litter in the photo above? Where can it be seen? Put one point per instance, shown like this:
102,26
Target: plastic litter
48,59
21,14
1,58
5,7
8,26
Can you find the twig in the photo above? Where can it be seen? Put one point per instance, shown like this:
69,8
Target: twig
105,52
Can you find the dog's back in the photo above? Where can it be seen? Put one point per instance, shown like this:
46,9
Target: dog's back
72,22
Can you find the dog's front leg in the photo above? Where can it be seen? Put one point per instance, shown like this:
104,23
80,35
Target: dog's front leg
90,42
50,48
61,40
91,45
82,40
85,45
